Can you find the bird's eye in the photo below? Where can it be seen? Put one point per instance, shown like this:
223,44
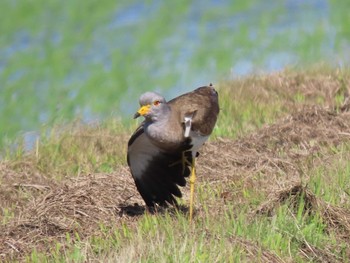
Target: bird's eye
156,103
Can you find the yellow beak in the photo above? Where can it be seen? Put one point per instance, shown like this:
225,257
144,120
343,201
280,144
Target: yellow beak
142,111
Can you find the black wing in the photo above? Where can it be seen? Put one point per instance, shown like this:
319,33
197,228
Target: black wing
157,174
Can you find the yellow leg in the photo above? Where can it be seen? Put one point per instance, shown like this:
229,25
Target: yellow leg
192,180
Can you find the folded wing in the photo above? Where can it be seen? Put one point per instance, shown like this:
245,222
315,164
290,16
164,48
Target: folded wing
157,174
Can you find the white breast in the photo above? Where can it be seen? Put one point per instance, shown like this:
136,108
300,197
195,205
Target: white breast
197,141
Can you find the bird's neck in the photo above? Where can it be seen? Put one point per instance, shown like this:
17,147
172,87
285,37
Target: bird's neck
164,131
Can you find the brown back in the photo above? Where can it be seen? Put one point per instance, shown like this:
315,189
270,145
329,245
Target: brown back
203,103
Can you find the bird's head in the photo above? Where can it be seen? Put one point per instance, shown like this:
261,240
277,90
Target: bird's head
152,106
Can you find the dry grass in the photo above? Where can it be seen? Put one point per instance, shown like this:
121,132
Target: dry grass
285,150
250,102
78,205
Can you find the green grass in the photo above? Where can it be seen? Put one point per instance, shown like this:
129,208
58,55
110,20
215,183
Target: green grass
331,182
72,149
211,237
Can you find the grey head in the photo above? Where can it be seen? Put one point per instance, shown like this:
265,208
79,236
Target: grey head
153,106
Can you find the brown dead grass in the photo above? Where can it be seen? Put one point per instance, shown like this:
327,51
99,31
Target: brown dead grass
274,160
277,155
315,87
78,205
17,187
254,251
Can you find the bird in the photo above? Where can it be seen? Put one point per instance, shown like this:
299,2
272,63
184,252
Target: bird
162,151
